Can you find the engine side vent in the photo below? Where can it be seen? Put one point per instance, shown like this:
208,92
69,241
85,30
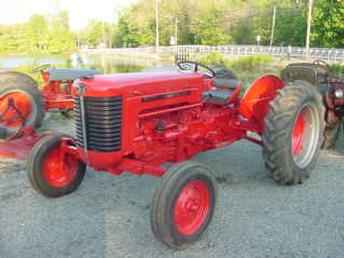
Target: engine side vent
103,120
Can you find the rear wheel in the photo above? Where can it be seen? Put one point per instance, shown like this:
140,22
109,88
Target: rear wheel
183,204
52,171
15,77
21,104
293,133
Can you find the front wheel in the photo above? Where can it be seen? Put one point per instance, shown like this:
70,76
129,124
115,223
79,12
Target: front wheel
52,171
183,204
293,134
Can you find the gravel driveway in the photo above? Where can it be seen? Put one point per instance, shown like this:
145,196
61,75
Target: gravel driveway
109,216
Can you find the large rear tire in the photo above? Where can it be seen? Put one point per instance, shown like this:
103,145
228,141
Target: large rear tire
8,77
293,134
52,172
183,205
26,102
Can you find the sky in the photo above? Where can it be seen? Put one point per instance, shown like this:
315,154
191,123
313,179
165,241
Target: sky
80,11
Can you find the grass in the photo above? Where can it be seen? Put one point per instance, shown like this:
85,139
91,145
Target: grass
247,68
338,70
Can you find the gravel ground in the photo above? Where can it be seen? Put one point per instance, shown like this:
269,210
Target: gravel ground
109,216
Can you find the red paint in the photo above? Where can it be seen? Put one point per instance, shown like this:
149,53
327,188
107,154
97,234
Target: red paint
255,103
59,168
165,118
192,207
16,107
56,94
11,105
19,148
298,134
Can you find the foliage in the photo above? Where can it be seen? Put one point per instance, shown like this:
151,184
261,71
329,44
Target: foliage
249,63
291,29
329,23
338,70
209,31
247,68
206,22
218,22
93,34
214,58
39,35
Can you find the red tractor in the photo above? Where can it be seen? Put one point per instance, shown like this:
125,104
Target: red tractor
23,104
154,123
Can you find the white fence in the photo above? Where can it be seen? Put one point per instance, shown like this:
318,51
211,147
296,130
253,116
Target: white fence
326,54
331,55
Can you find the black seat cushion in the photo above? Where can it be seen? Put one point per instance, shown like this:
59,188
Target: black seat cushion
70,74
225,78
226,83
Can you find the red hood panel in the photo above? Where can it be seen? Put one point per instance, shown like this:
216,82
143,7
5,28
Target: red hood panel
145,83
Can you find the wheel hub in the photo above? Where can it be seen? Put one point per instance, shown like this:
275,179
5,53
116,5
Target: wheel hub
15,109
59,169
305,135
298,134
192,207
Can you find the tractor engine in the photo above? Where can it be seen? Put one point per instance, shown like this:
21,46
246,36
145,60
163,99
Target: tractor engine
150,118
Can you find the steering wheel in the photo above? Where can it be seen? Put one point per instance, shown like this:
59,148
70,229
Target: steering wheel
194,66
41,68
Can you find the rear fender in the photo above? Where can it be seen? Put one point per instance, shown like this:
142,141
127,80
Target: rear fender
255,103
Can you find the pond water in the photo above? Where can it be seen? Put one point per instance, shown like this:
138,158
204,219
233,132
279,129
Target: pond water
12,62
103,63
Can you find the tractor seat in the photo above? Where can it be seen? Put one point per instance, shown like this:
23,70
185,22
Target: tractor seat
227,87
230,84
225,78
70,74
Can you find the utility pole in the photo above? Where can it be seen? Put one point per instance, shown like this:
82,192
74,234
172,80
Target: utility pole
104,36
309,25
157,34
176,31
273,26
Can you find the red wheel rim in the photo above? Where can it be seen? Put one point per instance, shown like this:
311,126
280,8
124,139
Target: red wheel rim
23,105
192,207
298,134
59,168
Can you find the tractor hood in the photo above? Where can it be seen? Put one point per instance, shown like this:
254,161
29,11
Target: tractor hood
134,84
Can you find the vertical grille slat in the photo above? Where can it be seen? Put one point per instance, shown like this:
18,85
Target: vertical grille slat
103,123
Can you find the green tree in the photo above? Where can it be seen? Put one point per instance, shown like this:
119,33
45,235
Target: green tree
127,34
36,35
328,29
61,39
209,30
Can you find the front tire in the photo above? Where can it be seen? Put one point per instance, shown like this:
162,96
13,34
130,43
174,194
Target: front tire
52,172
293,134
183,205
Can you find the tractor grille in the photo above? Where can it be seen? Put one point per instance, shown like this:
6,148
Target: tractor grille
103,120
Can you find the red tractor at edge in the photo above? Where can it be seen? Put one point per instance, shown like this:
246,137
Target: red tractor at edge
23,105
